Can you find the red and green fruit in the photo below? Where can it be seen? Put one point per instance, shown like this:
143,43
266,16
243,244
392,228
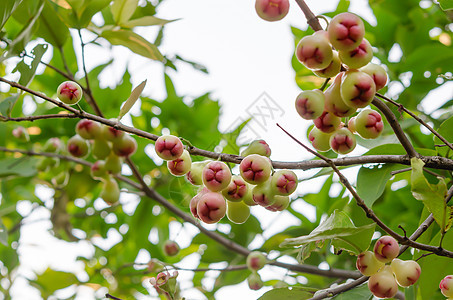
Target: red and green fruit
346,31
69,92
310,104
406,272
256,261
78,146
332,69
272,10
169,147
284,182
359,56
88,129
171,248
383,283
342,141
216,176
386,249
236,190
319,140
446,286
333,102
259,147
254,281
367,263
378,74
357,89
181,165
280,204
369,124
195,175
211,207
314,51
327,122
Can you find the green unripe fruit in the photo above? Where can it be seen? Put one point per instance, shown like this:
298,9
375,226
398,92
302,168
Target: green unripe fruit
406,272
237,212
111,191
98,170
280,204
254,281
113,164
262,194
259,147
100,149
61,179
333,101
194,176
248,197
331,70
319,139
21,134
53,145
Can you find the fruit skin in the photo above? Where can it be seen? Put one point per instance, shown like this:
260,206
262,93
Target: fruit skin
98,170
283,182
100,149
111,134
259,147
169,147
346,31
180,166
262,194
211,207
255,168
357,89
359,56
216,176
310,104
194,176
78,146
88,129
113,164
171,248
327,122
248,198
386,249
111,191
237,212
319,140
272,10
314,51
194,202
332,69
446,286
21,134
125,146
406,272
334,103
383,283
256,261
367,263
342,141
236,190
378,74
53,145
280,204
368,124
254,281
69,92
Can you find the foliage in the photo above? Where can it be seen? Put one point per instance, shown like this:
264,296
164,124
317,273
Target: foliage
32,30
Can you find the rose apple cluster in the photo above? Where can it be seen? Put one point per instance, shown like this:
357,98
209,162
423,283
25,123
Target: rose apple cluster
385,270
222,193
354,86
109,146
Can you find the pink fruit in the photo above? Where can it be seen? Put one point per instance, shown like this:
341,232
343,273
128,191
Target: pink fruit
334,103
310,104
194,176
327,122
378,74
367,263
216,176
125,146
111,134
21,134
171,248
406,272
194,202
314,51
169,147
88,129
357,89
383,283
319,140
368,123
386,249
332,69
446,286
357,57
181,165
272,10
78,146
256,261
259,147
280,204
351,125
236,190
237,212
254,281
262,194
342,141
346,31
284,182
211,207
255,168
69,92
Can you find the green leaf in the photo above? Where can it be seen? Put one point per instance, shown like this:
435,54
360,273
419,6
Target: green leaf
132,99
287,294
122,10
50,281
371,181
145,21
446,130
433,196
3,234
446,4
7,104
51,27
28,72
134,42
339,228
362,292
90,9
7,8
24,167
